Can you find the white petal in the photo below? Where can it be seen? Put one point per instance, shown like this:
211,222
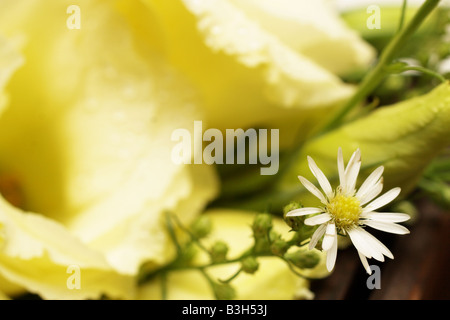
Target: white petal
358,242
372,193
350,171
365,263
330,235
356,156
377,244
319,219
303,211
313,189
387,226
363,244
351,177
321,178
386,216
383,200
317,235
332,254
370,182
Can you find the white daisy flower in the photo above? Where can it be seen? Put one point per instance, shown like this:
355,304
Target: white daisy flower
346,211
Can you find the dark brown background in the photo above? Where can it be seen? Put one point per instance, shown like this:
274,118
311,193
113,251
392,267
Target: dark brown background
419,271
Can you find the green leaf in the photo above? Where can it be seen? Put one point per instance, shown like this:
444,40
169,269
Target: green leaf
404,137
390,19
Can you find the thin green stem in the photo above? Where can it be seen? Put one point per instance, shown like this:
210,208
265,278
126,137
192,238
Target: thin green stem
172,234
377,74
174,266
202,267
213,264
163,286
402,16
208,278
191,235
426,71
232,276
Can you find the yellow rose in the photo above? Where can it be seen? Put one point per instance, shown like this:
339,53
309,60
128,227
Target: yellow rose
260,62
89,97
85,152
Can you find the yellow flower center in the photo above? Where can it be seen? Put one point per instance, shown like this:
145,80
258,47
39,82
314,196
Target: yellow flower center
345,211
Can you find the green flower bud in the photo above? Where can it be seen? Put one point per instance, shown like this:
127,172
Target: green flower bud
219,251
279,247
303,259
201,227
294,222
223,291
262,225
188,252
263,242
292,206
262,245
249,265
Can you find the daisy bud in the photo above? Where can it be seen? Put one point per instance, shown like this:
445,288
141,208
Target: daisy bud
223,291
261,245
188,253
279,247
294,222
303,259
219,251
201,227
262,225
249,265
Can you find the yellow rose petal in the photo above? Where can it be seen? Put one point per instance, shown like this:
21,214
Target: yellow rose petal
10,289
245,74
37,254
312,28
10,60
90,141
292,78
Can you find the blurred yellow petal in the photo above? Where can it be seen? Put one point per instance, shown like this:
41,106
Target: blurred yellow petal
10,60
273,279
3,296
9,288
90,144
36,253
130,233
245,72
311,28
